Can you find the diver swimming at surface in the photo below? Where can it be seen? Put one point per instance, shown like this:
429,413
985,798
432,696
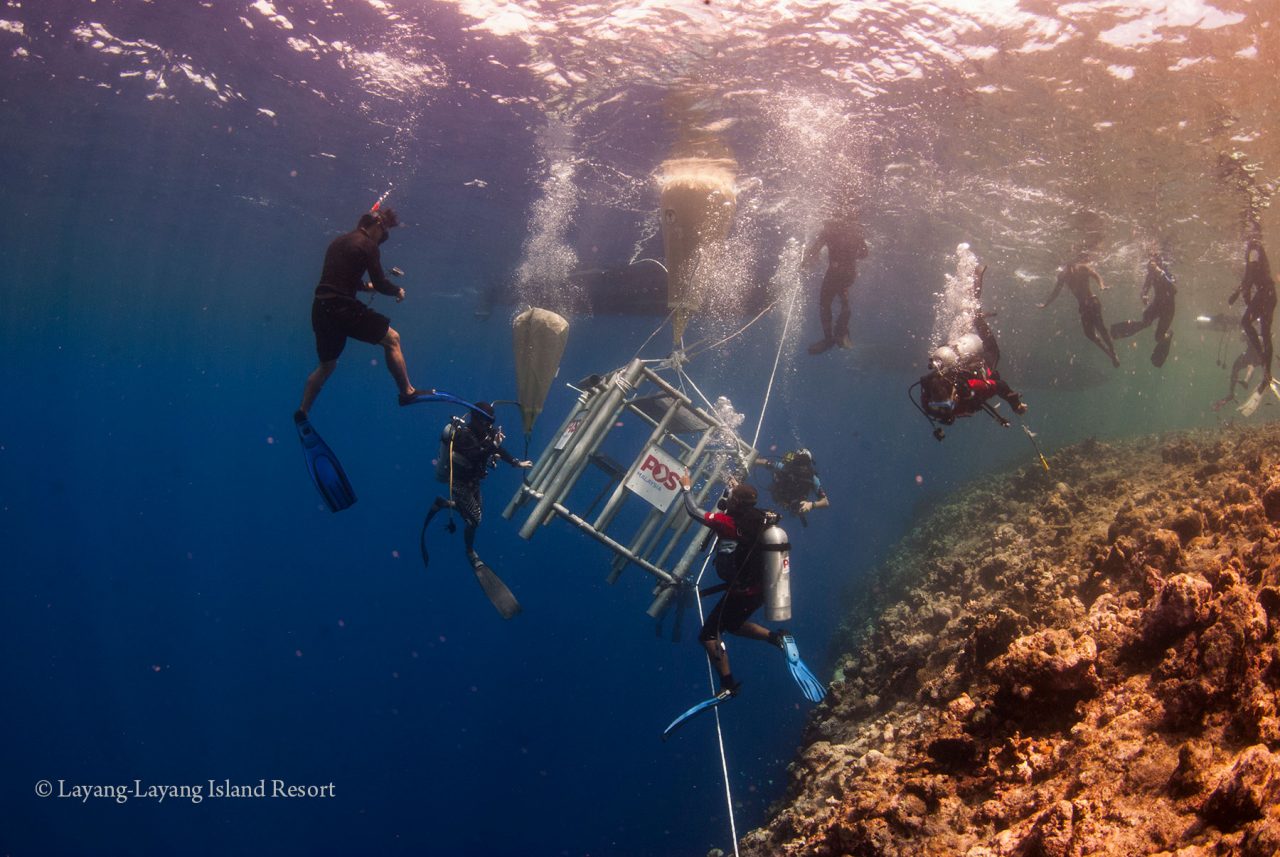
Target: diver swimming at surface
1258,288
963,375
1076,276
1158,293
843,237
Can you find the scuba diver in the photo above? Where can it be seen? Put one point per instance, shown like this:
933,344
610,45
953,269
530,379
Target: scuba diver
1157,293
1259,290
1076,276
843,238
740,562
962,376
468,450
337,315
795,478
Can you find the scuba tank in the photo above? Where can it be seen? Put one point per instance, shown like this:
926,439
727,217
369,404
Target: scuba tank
776,550
443,459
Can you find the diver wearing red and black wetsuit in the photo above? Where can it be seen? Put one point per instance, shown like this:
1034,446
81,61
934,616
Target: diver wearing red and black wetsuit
741,566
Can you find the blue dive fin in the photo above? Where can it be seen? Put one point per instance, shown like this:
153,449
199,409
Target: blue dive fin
705,705
813,690
440,396
324,467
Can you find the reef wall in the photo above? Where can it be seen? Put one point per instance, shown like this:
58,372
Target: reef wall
1077,662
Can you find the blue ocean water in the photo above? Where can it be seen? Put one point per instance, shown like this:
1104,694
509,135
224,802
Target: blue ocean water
179,607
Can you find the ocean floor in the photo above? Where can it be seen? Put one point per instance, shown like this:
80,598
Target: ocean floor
1075,662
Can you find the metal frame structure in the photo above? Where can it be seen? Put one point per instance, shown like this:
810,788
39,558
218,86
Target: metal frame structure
715,454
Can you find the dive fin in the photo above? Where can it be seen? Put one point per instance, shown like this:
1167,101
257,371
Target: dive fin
326,472
1251,404
705,705
813,690
439,504
426,397
1121,329
1161,352
495,589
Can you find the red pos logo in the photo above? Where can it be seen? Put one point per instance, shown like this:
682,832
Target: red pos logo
663,475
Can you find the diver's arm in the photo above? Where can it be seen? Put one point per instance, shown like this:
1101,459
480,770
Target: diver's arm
693,511
1057,289
378,278
1102,287
509,458
811,252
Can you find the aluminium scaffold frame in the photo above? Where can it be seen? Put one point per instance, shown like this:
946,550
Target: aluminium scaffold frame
710,460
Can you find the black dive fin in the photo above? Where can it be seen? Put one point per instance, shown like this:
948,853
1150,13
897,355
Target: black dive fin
439,504
495,589
326,472
1161,353
705,705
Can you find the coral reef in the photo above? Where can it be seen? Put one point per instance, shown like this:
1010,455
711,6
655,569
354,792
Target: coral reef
1075,662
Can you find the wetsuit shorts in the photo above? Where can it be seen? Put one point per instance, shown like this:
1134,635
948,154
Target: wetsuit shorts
337,318
732,612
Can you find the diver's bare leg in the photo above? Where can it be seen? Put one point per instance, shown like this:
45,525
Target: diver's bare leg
315,383
395,361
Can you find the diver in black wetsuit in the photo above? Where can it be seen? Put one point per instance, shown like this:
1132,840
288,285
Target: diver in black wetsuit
1159,289
795,479
473,448
1259,290
337,314
1244,363
845,245
1076,276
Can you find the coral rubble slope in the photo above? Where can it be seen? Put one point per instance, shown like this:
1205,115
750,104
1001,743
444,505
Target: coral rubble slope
1078,662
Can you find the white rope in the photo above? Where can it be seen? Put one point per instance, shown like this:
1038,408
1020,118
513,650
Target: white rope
655,333
782,340
697,347
711,682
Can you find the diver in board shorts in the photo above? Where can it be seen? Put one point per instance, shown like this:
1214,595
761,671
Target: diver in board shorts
337,315
1076,276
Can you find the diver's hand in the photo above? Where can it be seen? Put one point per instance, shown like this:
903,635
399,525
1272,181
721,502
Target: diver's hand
399,295
805,507
524,465
1043,306
685,481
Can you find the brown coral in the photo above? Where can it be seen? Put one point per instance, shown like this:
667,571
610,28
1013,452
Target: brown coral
1081,663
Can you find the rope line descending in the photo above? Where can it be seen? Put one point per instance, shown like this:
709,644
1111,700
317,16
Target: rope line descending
711,682
782,341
